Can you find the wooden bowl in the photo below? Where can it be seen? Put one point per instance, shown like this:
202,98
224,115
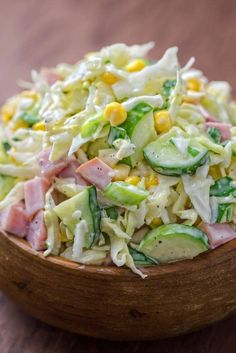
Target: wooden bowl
113,303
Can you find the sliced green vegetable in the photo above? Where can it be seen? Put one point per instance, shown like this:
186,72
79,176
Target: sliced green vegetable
173,242
86,203
134,116
167,87
116,133
91,125
6,184
112,212
139,126
223,187
225,212
124,193
140,259
165,158
215,134
192,151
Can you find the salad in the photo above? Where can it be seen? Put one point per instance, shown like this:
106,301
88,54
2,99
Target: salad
120,160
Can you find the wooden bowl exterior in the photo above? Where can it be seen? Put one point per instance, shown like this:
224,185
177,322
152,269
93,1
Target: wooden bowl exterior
112,303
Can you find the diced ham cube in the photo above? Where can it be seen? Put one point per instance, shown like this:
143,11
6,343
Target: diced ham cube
37,233
48,168
224,129
96,172
218,234
50,75
35,191
70,172
15,220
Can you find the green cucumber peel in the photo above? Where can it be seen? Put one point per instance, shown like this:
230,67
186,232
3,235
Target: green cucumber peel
140,259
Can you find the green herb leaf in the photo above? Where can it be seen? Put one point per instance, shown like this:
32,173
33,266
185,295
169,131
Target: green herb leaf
115,134
223,187
225,212
168,85
112,212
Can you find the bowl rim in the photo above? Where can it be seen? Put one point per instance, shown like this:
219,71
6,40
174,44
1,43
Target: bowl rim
206,259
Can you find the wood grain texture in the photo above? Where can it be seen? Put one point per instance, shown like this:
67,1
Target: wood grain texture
36,33
113,303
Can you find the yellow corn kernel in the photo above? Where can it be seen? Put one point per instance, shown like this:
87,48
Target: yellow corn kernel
193,84
39,126
19,124
121,172
115,113
150,181
162,121
109,78
214,171
134,180
156,222
135,65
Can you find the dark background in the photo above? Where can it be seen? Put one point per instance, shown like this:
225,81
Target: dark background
36,33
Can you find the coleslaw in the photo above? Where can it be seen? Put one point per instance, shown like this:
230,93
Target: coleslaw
119,159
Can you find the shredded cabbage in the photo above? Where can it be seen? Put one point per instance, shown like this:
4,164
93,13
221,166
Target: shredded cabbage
69,110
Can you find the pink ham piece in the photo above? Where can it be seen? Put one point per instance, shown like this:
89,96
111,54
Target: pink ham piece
35,191
70,172
15,220
96,172
50,75
218,234
224,129
48,168
37,233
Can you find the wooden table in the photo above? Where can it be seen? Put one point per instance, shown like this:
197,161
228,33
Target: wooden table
38,33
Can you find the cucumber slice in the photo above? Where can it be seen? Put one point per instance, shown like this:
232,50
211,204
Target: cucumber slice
123,193
173,242
86,203
139,126
140,259
165,158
